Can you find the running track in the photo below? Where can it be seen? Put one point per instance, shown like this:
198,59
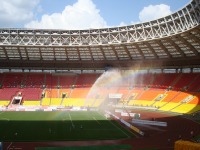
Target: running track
158,136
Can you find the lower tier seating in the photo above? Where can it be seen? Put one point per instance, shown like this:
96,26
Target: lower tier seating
186,108
31,103
141,103
51,101
73,102
169,106
45,101
98,102
55,101
4,102
159,104
89,102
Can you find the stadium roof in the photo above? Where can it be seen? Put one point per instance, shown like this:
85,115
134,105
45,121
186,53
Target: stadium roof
168,42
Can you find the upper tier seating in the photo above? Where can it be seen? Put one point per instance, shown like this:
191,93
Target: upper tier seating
32,94
158,80
51,81
169,80
81,80
195,85
184,80
6,94
1,76
13,80
90,79
142,80
34,80
66,81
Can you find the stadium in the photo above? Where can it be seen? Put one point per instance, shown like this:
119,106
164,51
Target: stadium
129,87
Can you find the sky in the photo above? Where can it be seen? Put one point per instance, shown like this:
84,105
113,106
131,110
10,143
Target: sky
83,14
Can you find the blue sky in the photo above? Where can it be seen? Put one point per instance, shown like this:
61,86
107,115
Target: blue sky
82,14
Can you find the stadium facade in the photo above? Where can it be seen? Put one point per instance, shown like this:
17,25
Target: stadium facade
168,42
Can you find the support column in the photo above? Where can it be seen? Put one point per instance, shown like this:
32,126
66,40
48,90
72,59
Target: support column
191,70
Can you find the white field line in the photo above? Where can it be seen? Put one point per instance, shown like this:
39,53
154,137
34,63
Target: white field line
96,120
115,126
2,112
97,129
71,120
9,145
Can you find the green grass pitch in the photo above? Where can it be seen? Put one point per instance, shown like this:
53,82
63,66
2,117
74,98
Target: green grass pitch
34,126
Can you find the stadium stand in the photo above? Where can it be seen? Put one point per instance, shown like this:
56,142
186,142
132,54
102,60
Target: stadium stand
141,103
81,80
8,93
79,93
51,93
1,77
150,95
157,81
66,81
55,101
67,91
46,102
124,92
90,79
4,102
13,80
73,101
196,100
143,80
184,80
32,94
98,102
169,80
138,96
31,103
195,85
34,80
51,81
181,97
171,95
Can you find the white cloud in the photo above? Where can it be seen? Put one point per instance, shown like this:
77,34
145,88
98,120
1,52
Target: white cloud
132,22
39,9
16,11
82,15
122,24
154,12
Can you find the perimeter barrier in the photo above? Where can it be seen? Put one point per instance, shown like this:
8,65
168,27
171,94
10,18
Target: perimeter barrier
126,123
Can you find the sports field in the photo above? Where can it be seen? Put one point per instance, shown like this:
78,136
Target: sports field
34,126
